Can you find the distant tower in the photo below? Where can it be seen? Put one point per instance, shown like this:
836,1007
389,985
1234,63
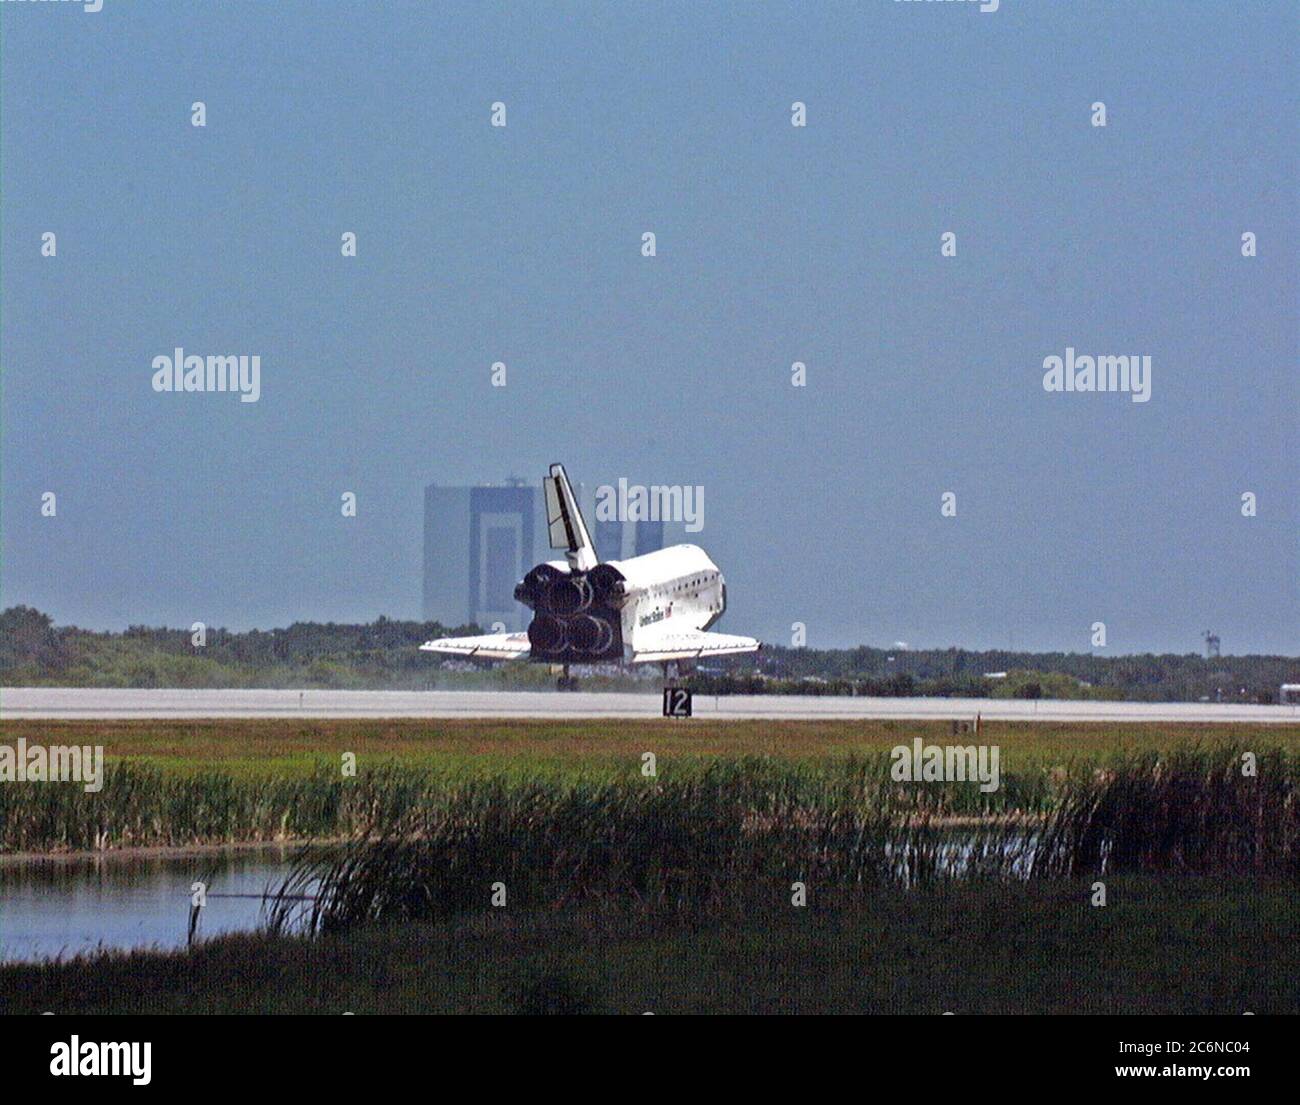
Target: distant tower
1211,644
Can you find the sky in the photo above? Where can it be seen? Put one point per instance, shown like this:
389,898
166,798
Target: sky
774,244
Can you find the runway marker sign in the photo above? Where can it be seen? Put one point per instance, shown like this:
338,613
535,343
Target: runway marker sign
677,702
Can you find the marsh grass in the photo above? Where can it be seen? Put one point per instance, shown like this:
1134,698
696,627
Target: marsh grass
141,806
1188,811
424,842
1164,944
750,828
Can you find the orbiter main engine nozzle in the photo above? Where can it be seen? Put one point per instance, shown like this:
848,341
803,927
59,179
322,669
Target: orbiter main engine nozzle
568,595
590,634
547,635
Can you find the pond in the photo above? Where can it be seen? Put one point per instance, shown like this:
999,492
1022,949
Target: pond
62,907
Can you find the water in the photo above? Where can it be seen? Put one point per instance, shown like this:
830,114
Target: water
958,854
62,907
51,907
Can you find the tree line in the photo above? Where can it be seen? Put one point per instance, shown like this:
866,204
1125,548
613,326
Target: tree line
385,654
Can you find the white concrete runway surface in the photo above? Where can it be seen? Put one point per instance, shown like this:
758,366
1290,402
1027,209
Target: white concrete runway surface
70,703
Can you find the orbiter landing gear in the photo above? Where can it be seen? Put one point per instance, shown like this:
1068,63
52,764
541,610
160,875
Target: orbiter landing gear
675,671
566,682
677,699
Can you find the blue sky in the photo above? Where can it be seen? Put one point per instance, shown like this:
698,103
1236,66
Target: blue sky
775,244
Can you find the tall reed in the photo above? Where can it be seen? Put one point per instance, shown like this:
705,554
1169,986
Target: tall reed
749,829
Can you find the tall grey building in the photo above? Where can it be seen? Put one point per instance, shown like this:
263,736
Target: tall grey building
480,541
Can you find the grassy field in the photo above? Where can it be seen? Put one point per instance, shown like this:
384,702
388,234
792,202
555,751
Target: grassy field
179,783
596,748
1185,946
673,893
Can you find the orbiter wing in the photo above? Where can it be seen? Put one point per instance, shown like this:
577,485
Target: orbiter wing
490,646
655,644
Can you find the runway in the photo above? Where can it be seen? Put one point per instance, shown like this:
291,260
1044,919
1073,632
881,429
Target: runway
59,703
